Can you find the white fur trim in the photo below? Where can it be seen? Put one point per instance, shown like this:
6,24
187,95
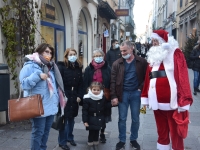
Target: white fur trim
163,147
184,108
169,69
153,103
156,36
144,101
164,106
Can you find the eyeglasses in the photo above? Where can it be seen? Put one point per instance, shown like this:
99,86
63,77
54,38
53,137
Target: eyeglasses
98,56
48,52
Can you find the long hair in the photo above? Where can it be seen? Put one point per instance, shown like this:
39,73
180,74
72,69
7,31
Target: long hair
66,61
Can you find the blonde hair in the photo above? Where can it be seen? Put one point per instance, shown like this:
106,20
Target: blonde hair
66,57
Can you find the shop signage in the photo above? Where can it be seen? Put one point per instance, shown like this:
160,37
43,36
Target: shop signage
106,33
122,12
50,12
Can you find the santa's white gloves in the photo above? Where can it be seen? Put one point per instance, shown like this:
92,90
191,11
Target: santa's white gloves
78,99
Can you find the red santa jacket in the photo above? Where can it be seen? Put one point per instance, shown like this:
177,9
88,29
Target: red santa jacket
171,92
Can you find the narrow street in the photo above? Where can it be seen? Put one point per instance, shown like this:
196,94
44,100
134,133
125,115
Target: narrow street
18,137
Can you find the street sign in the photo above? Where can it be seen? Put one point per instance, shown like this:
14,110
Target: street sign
122,12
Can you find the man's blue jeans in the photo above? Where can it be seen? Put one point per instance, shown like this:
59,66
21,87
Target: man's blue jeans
131,98
66,134
196,80
40,132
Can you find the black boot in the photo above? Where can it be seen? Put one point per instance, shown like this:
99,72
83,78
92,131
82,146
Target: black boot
102,138
195,91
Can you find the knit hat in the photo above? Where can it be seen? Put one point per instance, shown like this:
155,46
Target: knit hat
160,35
182,121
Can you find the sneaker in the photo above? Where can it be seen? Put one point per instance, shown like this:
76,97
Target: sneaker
120,145
65,147
135,145
198,90
102,138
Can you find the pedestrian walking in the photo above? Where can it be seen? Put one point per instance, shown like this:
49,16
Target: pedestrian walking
127,77
167,90
71,72
40,75
94,111
114,52
195,58
99,71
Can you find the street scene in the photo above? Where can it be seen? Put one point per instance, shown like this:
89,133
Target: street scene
17,136
99,75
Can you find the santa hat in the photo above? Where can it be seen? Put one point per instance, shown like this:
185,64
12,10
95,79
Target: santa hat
160,35
182,121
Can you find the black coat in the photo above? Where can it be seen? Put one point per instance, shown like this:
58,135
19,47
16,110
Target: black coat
88,76
194,57
112,55
72,79
93,112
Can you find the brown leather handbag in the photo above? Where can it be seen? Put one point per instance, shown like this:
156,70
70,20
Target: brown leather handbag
25,108
107,94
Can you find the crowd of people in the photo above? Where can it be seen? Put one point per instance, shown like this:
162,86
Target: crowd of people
129,74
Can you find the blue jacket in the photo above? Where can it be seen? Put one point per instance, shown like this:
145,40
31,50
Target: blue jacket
31,83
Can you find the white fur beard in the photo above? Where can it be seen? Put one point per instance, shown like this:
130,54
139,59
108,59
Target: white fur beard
156,55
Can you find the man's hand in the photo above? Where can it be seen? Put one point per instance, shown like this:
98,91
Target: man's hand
78,99
43,76
86,124
114,102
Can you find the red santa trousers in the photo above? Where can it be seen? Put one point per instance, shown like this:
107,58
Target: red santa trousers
167,128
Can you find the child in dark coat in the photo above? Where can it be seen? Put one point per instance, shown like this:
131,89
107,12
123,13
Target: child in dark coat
94,110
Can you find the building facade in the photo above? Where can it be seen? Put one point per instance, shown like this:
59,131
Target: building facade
188,20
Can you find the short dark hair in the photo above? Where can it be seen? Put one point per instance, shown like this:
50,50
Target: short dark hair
42,47
96,84
113,41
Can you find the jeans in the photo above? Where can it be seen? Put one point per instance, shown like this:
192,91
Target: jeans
131,98
66,134
40,132
196,80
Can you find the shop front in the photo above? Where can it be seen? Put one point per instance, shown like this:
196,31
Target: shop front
53,27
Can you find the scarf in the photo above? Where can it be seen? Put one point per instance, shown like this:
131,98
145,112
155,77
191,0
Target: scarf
46,65
94,97
97,73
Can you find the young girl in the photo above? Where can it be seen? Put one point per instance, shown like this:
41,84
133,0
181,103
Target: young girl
94,110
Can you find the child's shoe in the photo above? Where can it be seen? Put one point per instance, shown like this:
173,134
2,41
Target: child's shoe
102,138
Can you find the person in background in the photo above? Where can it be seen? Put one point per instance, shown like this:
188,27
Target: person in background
94,108
167,90
127,77
195,58
98,70
114,52
40,75
71,72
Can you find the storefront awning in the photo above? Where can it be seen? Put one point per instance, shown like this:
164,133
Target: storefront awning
106,11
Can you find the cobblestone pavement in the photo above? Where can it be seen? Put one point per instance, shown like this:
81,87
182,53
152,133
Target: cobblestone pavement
17,136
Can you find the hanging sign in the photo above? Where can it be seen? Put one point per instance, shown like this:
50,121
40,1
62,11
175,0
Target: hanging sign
50,12
106,33
122,12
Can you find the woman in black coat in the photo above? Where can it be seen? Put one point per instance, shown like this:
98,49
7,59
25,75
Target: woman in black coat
99,71
195,57
71,72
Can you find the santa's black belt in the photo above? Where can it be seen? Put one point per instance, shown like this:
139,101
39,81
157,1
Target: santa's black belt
157,74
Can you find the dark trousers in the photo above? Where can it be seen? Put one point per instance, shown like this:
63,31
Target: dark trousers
93,136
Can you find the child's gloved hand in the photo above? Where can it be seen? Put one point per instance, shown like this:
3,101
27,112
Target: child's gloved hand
78,99
86,124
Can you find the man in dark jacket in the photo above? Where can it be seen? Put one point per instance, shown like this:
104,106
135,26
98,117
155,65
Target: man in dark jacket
114,53
127,77
195,57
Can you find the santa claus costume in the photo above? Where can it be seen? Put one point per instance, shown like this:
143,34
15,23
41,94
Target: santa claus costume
167,91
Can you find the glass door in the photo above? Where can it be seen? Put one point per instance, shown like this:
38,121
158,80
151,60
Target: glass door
59,45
